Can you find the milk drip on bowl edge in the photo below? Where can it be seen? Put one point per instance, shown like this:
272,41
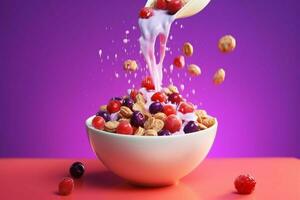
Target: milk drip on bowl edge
157,26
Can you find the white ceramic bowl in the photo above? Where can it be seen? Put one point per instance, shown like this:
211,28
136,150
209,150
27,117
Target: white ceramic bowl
151,160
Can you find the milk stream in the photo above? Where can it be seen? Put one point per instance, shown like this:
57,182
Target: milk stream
156,27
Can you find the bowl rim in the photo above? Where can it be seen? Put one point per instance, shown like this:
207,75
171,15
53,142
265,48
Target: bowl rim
88,125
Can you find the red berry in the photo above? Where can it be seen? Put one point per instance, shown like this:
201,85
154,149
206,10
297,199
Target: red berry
66,186
179,62
148,83
159,96
186,108
175,98
125,128
133,94
174,6
169,110
172,123
113,106
98,122
245,184
146,13
161,4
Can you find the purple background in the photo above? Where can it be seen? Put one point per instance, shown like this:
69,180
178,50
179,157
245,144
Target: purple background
52,78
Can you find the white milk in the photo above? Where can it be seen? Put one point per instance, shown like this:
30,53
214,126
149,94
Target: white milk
156,26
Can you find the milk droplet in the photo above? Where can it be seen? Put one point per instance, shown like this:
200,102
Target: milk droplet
133,27
171,37
171,68
125,75
171,81
107,57
127,32
178,75
129,81
193,91
181,26
116,55
165,70
116,75
176,22
140,52
112,41
187,95
100,52
125,50
190,79
182,87
125,40
135,75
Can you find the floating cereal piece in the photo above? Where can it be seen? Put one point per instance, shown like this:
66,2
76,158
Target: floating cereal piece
150,132
160,115
167,91
227,43
139,131
173,89
103,108
194,70
187,49
130,65
219,77
111,126
125,112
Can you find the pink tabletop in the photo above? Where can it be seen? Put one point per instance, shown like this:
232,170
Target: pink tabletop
277,178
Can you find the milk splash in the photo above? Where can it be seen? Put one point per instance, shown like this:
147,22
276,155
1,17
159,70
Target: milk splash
156,26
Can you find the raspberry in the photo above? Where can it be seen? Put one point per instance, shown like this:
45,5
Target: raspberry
244,184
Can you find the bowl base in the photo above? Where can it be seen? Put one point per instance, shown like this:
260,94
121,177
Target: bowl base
147,185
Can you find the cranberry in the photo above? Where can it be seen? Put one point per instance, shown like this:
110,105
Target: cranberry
173,6
125,128
66,186
148,83
146,13
186,108
245,184
179,62
173,123
98,122
159,96
175,98
113,106
161,4
169,110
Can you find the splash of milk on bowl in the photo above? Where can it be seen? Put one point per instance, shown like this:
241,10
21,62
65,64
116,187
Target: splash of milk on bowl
157,26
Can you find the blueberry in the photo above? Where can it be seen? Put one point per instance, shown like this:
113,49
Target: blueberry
155,107
137,119
128,102
191,127
77,170
164,133
104,114
117,98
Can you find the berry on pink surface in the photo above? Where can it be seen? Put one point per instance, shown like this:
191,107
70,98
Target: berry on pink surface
245,184
66,186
